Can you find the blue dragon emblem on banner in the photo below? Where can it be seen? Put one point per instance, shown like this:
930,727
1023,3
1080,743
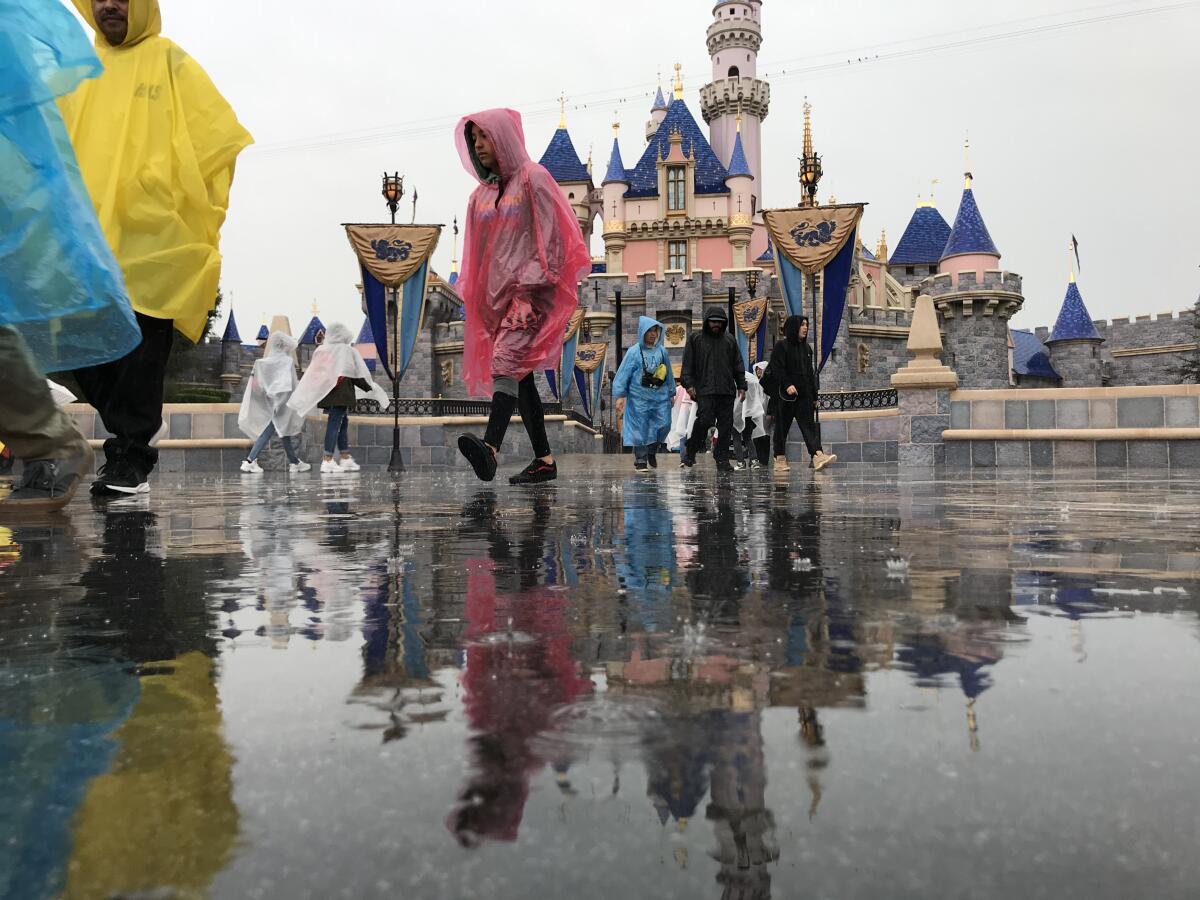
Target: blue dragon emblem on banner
809,234
391,251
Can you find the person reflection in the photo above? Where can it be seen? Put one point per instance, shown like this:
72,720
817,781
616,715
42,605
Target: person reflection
646,569
518,671
718,579
162,819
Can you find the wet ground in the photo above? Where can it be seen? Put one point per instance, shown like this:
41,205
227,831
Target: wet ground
859,684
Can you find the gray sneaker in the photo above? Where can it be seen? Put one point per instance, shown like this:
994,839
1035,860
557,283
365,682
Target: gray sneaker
49,484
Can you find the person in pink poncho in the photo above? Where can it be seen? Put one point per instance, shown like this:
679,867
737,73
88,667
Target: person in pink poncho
523,256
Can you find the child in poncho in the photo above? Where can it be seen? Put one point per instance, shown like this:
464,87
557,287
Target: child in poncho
748,424
523,256
683,417
335,379
643,388
265,411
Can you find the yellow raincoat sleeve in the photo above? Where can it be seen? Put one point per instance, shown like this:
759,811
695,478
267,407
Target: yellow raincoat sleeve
157,145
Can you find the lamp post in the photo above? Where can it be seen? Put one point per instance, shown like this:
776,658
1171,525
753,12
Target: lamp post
752,282
393,190
620,336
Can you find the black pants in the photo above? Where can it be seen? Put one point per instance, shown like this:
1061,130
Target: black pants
710,411
802,411
128,394
532,414
743,444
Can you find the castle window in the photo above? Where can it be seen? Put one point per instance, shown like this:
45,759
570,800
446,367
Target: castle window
733,72
677,255
676,194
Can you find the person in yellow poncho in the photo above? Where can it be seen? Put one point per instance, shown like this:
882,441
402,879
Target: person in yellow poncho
157,144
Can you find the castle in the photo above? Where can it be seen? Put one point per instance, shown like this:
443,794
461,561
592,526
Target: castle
683,228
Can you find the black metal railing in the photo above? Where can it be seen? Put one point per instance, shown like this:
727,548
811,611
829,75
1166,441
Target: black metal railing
437,406
883,398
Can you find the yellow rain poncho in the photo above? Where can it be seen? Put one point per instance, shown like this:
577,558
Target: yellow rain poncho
157,144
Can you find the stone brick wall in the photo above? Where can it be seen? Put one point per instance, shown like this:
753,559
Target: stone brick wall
1078,363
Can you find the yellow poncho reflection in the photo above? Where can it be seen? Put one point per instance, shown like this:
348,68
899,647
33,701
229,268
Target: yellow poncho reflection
157,144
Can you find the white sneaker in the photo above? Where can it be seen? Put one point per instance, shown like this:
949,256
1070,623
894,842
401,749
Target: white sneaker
251,467
328,466
299,467
348,464
738,466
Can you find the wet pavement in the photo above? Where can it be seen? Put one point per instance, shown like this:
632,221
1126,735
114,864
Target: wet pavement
859,684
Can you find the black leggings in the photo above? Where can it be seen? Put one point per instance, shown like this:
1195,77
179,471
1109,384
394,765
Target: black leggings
532,414
802,412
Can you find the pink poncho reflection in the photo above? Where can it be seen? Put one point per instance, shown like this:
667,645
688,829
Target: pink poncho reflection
523,255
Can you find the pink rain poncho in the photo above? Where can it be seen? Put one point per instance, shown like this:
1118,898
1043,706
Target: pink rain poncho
523,256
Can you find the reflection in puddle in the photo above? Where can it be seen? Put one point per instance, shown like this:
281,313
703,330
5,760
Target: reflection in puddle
604,686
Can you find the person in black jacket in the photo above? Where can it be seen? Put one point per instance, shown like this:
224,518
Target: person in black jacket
713,374
793,386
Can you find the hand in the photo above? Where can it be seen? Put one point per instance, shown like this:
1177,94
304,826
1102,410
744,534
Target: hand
791,391
816,404
692,393
742,394
620,406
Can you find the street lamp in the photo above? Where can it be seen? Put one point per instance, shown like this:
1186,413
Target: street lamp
393,191
810,174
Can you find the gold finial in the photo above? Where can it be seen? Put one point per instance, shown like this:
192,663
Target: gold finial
589,162
967,163
562,110
739,116
314,306
921,202
454,258
1070,261
808,142
881,250
616,129
678,81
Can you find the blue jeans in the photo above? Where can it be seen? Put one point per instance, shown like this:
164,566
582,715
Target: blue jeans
336,430
643,452
268,433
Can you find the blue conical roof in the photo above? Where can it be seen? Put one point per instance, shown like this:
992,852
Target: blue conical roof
365,335
710,173
969,234
737,160
263,333
768,255
616,168
1030,356
315,325
453,279
923,240
231,330
660,102
561,160
1074,323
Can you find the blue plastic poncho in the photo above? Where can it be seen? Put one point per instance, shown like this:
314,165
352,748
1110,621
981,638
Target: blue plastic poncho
647,409
59,284
647,566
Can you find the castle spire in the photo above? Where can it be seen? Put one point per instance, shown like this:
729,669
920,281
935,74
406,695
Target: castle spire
454,257
678,87
967,177
808,141
562,110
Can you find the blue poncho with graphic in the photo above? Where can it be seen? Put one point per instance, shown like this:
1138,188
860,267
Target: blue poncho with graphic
647,409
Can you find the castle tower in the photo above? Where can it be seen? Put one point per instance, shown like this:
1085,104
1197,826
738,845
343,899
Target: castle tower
574,179
614,186
658,112
231,358
740,181
733,41
975,299
1075,343
920,248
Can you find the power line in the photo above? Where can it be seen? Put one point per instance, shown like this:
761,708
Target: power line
846,59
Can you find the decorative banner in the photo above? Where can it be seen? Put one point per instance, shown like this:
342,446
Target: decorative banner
751,319
589,376
570,343
808,241
394,257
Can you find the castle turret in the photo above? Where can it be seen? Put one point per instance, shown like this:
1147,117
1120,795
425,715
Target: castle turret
920,248
616,183
574,180
740,181
658,112
733,41
1075,343
975,299
231,357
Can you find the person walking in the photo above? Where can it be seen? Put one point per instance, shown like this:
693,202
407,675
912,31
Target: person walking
265,411
713,375
794,387
645,380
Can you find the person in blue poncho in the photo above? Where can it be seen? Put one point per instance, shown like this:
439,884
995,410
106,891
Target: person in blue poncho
643,390
63,302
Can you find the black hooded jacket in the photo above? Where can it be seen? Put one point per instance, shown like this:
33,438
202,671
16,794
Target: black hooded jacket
712,363
792,364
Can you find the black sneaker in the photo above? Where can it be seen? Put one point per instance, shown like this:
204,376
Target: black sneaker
120,477
689,460
537,471
49,484
723,466
653,460
640,467
479,455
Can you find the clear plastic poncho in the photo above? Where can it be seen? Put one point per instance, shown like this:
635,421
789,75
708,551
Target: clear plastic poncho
683,417
754,407
271,384
157,144
523,256
334,359
59,284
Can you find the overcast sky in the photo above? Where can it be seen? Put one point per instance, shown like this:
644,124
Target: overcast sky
1089,129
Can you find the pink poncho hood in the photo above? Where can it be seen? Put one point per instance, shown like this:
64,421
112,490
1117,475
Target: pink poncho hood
522,243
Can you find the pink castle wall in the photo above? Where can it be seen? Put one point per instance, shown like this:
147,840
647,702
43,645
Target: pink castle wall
715,254
641,256
969,262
